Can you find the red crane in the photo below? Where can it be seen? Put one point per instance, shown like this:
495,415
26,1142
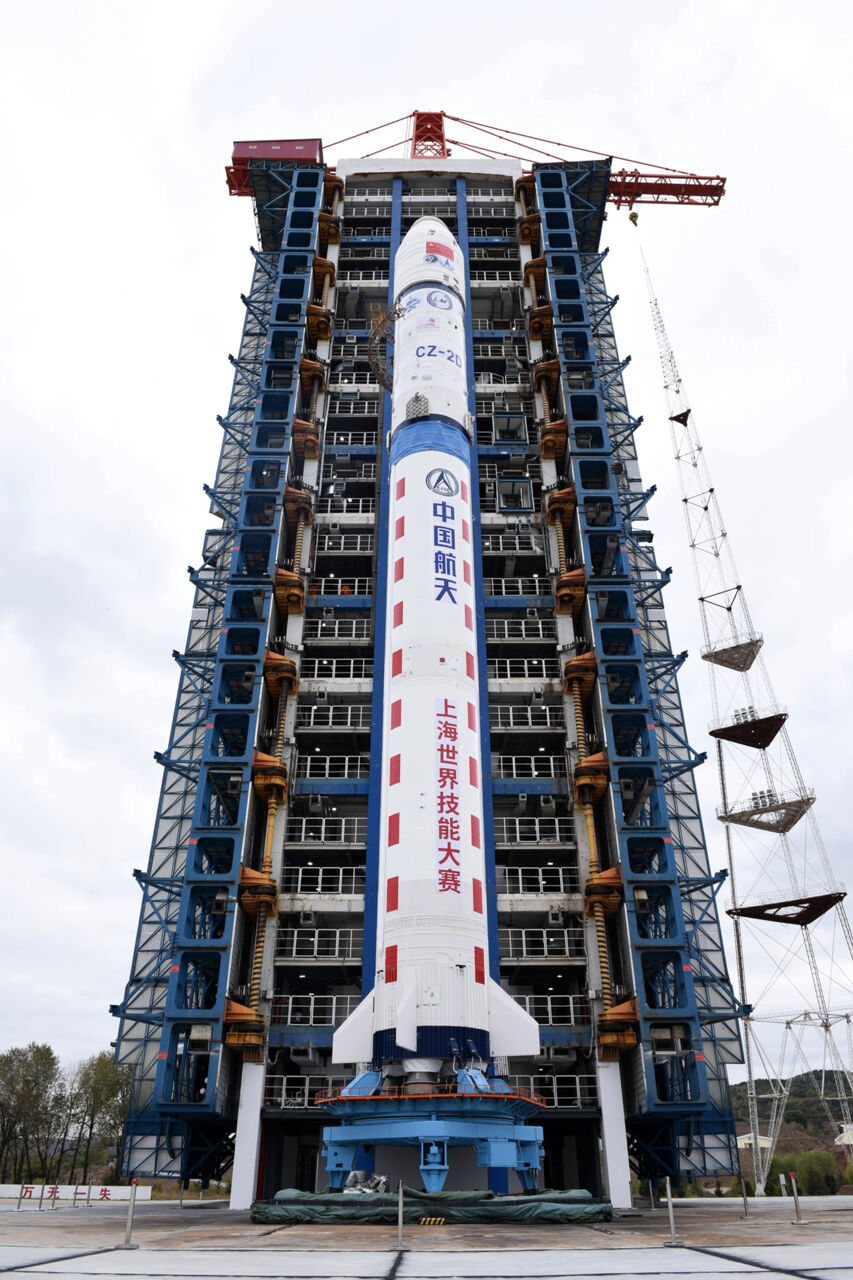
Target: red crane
628,187
426,138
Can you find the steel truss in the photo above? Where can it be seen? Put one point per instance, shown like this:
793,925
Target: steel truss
719,1009
780,877
183,1102
682,1127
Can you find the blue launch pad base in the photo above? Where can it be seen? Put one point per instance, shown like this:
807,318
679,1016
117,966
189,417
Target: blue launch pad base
436,1124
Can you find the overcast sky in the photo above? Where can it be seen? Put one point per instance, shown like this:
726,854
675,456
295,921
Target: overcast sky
123,259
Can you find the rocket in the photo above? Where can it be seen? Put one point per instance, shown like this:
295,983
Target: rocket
433,1005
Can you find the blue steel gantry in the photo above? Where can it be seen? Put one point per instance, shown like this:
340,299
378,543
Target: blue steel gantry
613,803
181,1029
684,1011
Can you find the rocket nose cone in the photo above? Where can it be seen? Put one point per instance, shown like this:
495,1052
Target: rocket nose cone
417,229
429,252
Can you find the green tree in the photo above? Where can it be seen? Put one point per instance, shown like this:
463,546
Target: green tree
816,1173
51,1119
44,1111
103,1098
13,1092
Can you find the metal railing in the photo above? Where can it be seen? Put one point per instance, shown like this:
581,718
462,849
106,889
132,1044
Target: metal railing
337,629
420,192
521,629
510,831
331,1011
350,404
498,350
317,1011
336,669
541,944
381,191
379,232
486,436
323,831
486,379
538,880
493,471
748,715
333,715
345,543
506,209
417,207
569,1092
524,542
495,255
352,472
363,277
352,378
487,405
336,504
359,253
318,766
557,1011
357,324
539,766
298,1092
348,348
390,1093
494,277
341,881
526,715
319,944
522,668
538,586
494,325
356,211
341,587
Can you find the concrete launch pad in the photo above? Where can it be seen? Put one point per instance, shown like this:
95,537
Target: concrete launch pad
208,1240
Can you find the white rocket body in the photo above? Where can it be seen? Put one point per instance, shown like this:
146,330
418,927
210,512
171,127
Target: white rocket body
432,984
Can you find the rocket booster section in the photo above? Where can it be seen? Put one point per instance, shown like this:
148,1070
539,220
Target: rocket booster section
433,999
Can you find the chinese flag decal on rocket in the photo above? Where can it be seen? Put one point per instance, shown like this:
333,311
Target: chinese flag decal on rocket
440,253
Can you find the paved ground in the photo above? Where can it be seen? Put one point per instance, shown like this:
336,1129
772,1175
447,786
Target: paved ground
206,1240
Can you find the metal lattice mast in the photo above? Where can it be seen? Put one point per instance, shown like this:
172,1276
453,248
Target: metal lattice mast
786,880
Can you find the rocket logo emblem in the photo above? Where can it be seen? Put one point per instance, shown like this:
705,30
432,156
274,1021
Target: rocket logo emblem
443,482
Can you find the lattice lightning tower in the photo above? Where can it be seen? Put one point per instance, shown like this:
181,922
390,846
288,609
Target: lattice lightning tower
786,906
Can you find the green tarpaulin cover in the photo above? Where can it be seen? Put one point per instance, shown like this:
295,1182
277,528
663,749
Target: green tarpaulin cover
335,1207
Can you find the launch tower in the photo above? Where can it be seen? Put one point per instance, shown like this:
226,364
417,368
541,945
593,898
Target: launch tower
261,901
